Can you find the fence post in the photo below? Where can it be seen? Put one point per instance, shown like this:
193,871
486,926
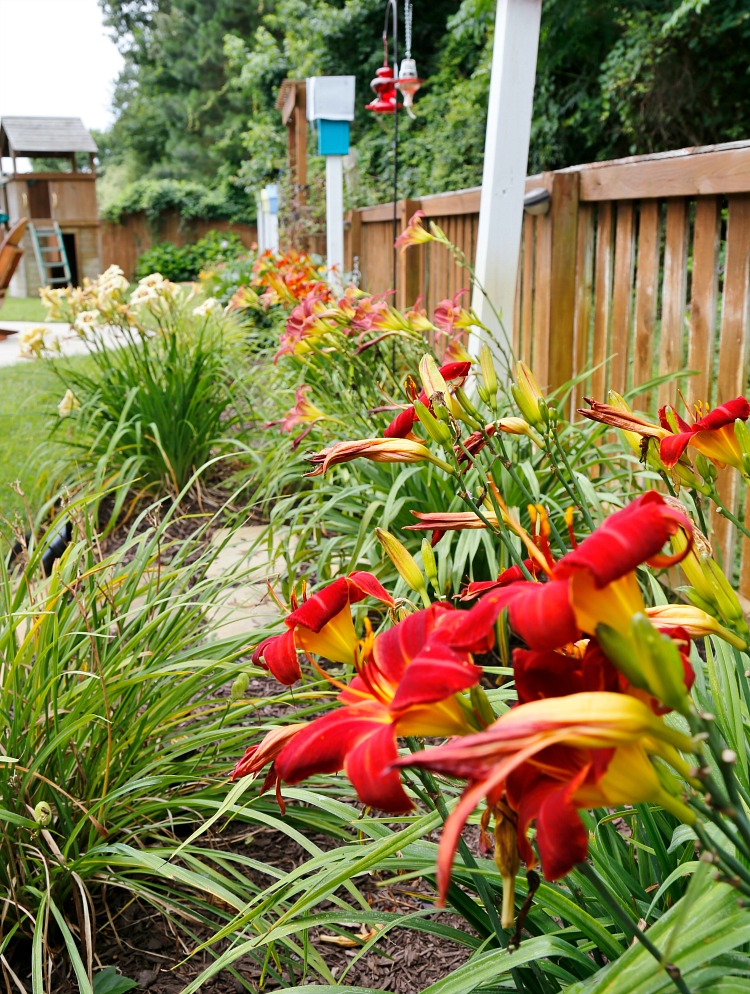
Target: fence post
410,263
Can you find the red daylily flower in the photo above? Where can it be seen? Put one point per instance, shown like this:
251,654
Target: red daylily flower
323,625
414,234
591,585
454,374
406,686
549,758
712,434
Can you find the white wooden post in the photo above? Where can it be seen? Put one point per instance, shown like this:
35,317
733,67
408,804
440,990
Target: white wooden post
506,153
335,217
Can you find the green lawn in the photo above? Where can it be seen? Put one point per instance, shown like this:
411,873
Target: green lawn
29,394
22,309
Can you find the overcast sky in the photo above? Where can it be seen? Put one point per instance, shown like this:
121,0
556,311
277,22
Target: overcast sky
56,60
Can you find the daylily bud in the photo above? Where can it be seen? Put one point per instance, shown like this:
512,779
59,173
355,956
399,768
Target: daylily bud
437,430
469,408
489,376
527,394
482,707
544,412
706,469
42,814
432,380
404,562
507,858
696,621
712,591
746,464
742,435
649,660
430,564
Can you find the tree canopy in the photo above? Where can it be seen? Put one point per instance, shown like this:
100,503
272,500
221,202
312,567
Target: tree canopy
195,101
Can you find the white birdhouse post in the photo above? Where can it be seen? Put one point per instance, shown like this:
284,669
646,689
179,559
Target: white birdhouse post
506,154
330,106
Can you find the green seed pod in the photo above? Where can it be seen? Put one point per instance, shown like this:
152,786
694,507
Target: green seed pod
43,814
239,687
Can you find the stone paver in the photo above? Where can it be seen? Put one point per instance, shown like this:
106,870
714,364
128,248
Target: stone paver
247,605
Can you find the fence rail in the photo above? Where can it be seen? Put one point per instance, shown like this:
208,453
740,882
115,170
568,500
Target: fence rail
640,268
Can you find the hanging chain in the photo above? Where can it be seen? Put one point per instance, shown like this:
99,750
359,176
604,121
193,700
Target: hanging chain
407,28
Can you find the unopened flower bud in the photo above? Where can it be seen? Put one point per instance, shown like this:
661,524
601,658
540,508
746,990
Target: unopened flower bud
527,394
489,375
507,858
482,707
432,380
469,408
742,435
429,564
404,562
649,660
706,468
437,430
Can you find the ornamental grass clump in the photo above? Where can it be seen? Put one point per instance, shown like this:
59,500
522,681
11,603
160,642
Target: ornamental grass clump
157,400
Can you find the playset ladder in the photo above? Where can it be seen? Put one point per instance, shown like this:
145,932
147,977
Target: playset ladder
50,253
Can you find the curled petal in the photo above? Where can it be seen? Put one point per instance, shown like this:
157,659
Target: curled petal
626,539
279,655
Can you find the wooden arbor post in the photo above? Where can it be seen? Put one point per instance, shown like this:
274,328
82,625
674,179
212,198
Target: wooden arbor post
292,102
506,154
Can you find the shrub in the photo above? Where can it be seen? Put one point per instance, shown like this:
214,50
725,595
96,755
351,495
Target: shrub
181,264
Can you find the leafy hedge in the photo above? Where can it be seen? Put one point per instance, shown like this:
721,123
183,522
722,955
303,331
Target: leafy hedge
182,263
189,199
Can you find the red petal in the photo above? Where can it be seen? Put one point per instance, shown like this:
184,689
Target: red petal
665,423
438,673
370,586
724,414
322,746
543,616
561,837
366,767
319,609
545,674
455,370
279,655
394,649
402,424
626,539
672,447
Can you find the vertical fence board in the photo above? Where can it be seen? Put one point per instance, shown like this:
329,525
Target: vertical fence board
733,355
542,300
673,296
584,289
562,276
703,297
602,300
622,297
524,351
646,296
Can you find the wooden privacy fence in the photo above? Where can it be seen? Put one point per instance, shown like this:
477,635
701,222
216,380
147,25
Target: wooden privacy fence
640,268
124,243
